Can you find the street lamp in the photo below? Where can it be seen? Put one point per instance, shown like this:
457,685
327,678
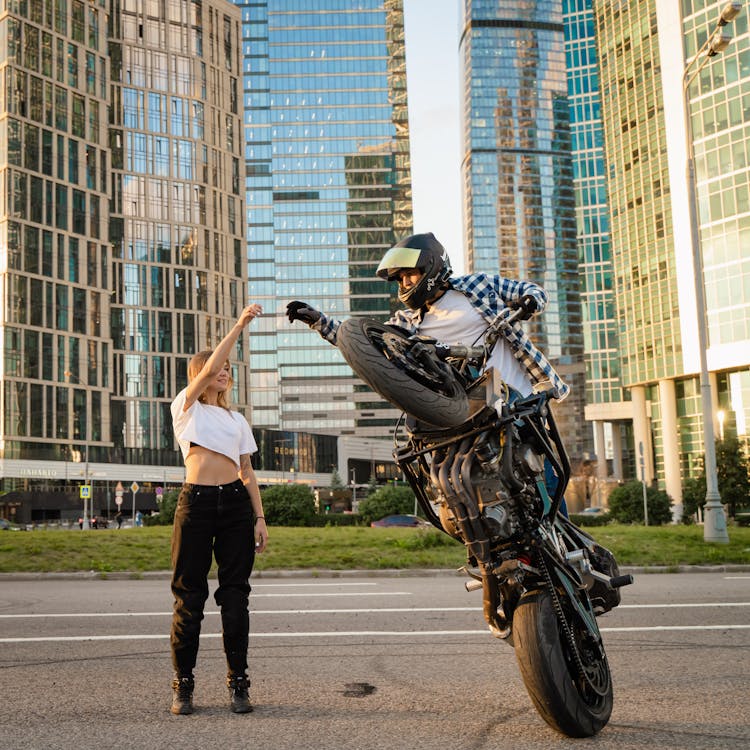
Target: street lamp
714,522
86,524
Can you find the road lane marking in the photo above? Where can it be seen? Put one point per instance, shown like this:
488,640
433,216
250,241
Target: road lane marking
359,611
369,610
302,585
350,634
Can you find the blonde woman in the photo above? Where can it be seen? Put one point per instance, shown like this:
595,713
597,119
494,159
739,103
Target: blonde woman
219,513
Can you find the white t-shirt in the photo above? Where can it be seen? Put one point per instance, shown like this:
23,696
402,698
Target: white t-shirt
212,427
453,320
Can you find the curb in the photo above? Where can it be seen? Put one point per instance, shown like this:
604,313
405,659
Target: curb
123,575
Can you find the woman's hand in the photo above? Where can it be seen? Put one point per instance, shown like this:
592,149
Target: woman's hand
261,534
249,314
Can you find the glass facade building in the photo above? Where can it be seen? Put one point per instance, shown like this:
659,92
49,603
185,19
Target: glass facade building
176,210
643,48
328,191
55,261
604,393
519,200
123,229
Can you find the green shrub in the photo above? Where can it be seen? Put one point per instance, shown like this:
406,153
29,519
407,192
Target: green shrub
590,519
167,507
387,501
626,504
288,505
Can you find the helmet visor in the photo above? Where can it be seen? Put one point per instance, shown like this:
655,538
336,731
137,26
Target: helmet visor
396,259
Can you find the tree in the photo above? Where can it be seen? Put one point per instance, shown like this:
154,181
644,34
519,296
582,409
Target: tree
372,485
732,476
336,483
626,504
167,506
288,504
693,496
386,501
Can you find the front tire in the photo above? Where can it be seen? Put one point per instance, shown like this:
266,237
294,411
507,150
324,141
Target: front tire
377,353
575,704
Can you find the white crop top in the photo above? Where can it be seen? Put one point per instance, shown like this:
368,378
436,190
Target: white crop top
212,427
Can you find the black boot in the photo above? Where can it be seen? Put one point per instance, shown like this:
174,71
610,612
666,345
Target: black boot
238,687
182,695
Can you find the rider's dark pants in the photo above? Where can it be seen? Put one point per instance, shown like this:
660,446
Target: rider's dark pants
550,478
212,520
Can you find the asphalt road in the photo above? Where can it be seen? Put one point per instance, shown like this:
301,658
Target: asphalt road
367,663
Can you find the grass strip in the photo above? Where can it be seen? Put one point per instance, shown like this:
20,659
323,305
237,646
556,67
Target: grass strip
340,548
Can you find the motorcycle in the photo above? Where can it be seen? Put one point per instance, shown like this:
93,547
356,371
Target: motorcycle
476,455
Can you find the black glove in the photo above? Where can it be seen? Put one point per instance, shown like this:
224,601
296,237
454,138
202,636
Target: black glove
302,311
528,305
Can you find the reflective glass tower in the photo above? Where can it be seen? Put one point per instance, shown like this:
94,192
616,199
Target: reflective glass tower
327,180
122,234
604,395
518,174
176,209
55,261
643,47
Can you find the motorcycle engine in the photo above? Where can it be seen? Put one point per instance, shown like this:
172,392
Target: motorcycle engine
504,501
503,493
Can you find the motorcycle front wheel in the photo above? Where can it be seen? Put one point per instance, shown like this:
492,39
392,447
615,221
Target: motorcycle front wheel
573,695
379,354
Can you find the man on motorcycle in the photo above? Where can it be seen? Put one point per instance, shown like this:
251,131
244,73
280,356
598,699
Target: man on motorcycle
458,310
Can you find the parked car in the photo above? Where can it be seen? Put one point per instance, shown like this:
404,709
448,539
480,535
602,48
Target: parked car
593,510
402,520
6,525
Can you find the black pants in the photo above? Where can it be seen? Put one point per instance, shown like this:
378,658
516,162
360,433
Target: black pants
212,520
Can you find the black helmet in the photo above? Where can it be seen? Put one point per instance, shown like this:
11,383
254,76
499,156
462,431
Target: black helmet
425,253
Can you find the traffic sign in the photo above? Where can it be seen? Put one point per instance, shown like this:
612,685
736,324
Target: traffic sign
118,500
85,491
134,487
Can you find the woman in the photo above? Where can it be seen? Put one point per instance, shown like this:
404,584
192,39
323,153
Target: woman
217,513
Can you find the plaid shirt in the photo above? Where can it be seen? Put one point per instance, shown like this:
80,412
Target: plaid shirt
490,296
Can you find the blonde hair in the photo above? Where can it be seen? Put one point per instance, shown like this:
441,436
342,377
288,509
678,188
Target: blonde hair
196,364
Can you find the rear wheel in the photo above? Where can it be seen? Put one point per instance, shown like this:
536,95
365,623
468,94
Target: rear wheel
570,687
379,354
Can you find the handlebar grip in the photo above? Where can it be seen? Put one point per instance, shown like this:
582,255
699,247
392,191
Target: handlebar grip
467,352
459,351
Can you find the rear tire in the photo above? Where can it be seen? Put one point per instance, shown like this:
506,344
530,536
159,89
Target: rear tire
573,705
373,350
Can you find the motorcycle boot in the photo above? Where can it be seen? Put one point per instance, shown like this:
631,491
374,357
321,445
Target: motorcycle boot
182,696
239,700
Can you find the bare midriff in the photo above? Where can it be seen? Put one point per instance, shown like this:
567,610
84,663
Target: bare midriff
204,466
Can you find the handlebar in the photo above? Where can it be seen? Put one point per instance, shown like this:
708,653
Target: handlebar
458,351
461,351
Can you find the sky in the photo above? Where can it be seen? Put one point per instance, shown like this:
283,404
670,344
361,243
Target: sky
431,28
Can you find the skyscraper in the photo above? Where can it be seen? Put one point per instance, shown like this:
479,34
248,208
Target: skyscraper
605,406
121,232
328,190
643,48
518,186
